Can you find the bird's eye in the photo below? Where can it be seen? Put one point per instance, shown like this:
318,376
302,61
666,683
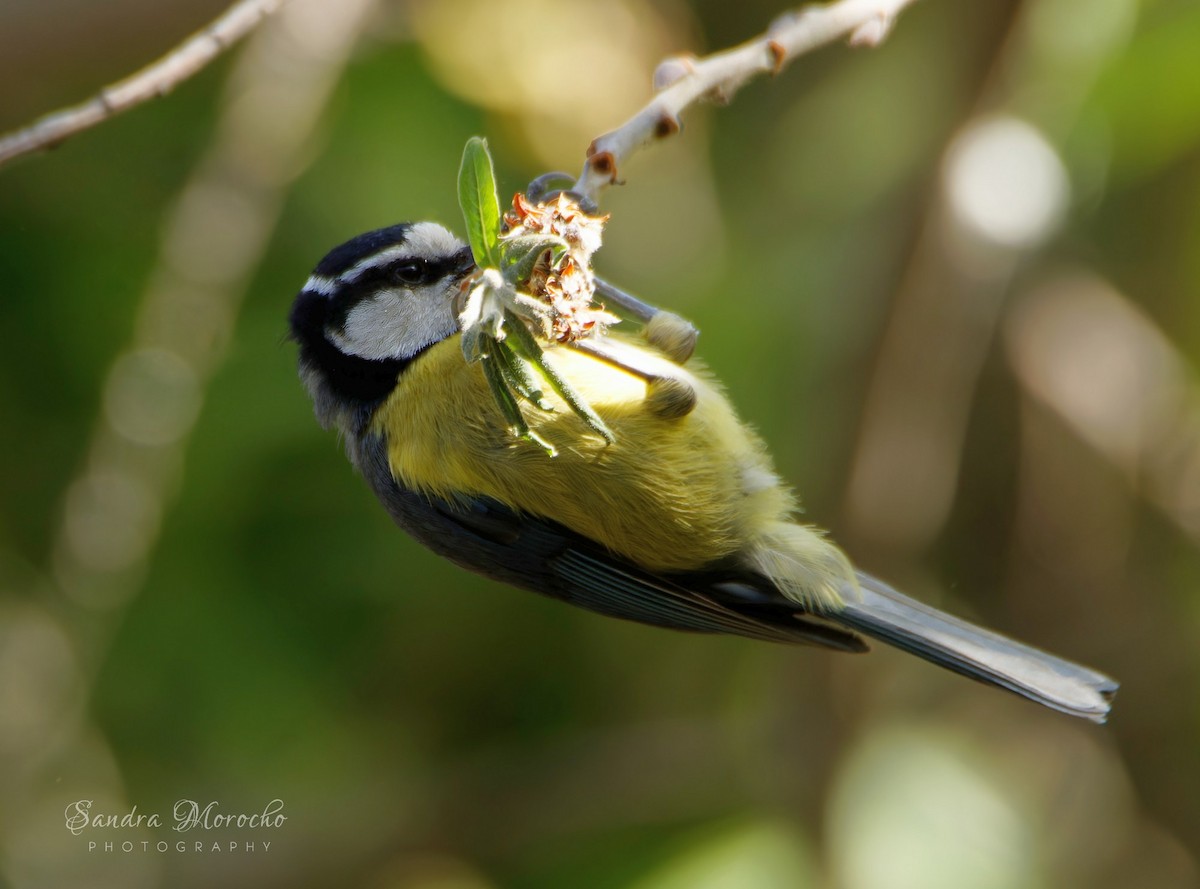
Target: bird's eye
411,271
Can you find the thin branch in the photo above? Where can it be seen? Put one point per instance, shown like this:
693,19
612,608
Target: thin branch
155,80
683,80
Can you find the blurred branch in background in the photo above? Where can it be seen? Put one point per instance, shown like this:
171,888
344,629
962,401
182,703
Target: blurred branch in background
153,81
1090,355
1024,165
213,240
1004,192
1110,418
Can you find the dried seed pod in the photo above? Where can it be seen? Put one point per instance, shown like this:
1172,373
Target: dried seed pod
562,280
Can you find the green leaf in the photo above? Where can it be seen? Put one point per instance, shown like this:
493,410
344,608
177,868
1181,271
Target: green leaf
508,405
524,344
520,377
480,206
472,344
520,254
469,322
504,397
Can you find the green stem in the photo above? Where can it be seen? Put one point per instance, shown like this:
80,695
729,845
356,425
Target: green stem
516,370
527,347
508,405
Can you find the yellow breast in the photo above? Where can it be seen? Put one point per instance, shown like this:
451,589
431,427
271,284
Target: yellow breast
670,494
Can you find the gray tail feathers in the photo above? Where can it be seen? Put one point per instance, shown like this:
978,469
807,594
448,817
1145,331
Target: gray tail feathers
890,617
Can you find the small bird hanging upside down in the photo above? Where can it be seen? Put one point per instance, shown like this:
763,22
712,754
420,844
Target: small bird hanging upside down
679,522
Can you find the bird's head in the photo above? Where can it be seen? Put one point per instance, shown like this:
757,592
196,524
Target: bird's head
370,307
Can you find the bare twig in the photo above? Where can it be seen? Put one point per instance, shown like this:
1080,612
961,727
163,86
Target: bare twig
155,80
683,80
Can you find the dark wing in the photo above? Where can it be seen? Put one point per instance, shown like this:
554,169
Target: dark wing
536,554
525,551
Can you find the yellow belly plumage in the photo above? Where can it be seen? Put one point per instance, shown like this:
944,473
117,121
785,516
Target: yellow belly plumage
669,494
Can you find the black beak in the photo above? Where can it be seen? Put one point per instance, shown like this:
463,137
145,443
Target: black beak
463,263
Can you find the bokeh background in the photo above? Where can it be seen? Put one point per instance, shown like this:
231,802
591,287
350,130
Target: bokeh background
952,280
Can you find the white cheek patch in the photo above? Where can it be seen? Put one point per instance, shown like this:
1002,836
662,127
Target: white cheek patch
396,324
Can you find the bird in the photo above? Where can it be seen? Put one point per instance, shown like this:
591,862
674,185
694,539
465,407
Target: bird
680,521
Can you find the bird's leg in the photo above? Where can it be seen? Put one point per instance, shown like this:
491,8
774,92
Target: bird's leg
671,334
669,393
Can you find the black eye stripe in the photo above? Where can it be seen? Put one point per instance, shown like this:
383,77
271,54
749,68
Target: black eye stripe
410,271
372,280
414,271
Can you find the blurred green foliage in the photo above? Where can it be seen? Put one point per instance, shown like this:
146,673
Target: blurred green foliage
427,728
